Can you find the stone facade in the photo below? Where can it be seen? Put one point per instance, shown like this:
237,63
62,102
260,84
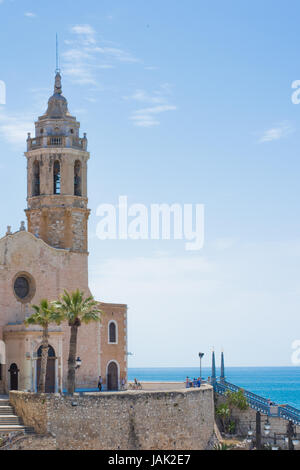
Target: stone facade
178,419
52,256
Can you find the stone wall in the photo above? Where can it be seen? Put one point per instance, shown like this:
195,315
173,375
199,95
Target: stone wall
32,408
181,419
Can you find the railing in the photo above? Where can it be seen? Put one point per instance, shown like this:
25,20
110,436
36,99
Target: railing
259,403
286,412
56,141
250,395
254,401
292,410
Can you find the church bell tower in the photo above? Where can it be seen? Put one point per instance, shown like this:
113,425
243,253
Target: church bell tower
57,177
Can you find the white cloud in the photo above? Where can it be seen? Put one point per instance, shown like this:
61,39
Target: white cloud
29,14
276,133
144,97
86,32
118,54
147,117
14,128
87,55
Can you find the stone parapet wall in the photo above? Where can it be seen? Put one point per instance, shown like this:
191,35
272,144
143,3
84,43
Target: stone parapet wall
177,419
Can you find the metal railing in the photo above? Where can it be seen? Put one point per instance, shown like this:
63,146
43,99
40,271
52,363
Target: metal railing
286,412
259,403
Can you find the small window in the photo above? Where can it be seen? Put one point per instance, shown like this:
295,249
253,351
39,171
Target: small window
72,131
112,332
56,177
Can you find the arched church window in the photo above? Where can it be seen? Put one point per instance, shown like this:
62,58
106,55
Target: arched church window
77,178
112,332
36,179
56,177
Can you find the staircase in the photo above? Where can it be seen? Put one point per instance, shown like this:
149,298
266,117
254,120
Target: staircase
260,404
9,421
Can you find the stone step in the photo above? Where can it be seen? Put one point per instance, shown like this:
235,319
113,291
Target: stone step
7,429
6,410
10,420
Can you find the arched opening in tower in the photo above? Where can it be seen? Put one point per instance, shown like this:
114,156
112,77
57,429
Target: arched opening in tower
56,177
77,178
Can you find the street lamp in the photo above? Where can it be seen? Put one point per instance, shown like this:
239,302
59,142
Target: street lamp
78,362
250,434
267,427
200,356
290,435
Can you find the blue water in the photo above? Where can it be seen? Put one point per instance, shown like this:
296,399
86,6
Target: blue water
280,384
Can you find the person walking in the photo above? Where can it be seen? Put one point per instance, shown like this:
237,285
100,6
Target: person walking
100,383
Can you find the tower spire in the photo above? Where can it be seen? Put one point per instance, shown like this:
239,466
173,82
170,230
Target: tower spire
57,70
213,368
222,376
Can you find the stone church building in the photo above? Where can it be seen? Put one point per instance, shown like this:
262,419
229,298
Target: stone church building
52,255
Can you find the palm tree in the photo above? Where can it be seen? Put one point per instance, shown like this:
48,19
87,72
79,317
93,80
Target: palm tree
43,315
76,309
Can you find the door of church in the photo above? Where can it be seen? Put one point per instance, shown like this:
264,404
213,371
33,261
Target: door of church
14,376
50,372
112,376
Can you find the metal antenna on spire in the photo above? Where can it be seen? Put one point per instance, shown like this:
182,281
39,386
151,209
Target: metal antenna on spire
57,56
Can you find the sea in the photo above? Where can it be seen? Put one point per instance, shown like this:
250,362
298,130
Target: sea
280,384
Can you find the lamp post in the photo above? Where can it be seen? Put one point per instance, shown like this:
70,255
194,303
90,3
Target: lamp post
290,434
78,362
258,431
200,356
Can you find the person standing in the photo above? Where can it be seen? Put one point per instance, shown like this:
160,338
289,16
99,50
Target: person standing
123,384
100,383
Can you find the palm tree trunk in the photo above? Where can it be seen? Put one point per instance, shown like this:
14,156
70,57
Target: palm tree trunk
72,358
44,360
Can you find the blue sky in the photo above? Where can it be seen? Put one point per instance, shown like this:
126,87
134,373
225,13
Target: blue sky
186,102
